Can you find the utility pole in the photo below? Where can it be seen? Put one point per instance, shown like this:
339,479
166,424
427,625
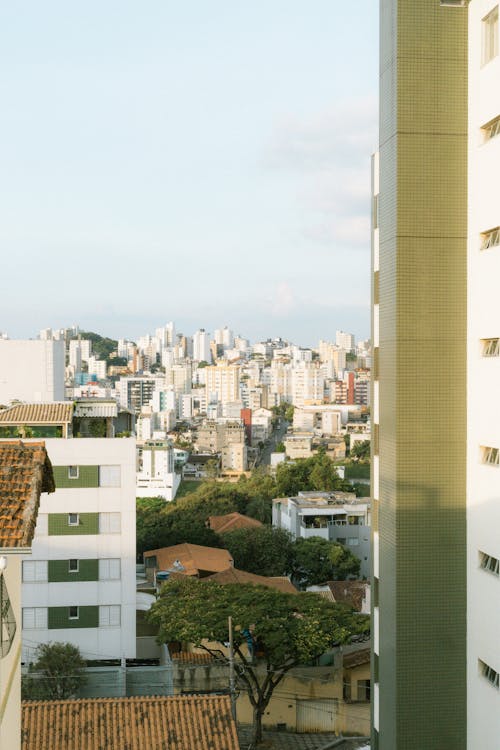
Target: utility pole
232,686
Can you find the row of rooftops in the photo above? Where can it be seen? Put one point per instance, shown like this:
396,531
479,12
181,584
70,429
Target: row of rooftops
68,416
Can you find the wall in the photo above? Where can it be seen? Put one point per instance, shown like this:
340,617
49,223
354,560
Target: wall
10,665
32,371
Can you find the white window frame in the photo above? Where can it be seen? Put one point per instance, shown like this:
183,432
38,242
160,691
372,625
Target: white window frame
74,475
490,36
110,616
38,616
40,572
489,563
110,475
110,523
490,456
73,570
73,617
490,347
74,523
110,569
490,238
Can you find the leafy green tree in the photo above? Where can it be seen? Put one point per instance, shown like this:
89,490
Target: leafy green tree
360,451
315,473
316,560
57,674
273,632
266,551
280,448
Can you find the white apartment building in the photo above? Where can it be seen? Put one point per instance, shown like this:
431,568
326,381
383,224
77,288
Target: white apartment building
97,367
281,380
31,370
322,420
79,583
179,377
483,402
156,476
345,341
222,382
308,384
335,516
201,346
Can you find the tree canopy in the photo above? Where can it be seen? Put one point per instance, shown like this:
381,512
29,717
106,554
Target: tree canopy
266,551
316,560
273,631
56,674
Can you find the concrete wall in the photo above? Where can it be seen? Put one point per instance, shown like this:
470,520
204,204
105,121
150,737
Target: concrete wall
31,371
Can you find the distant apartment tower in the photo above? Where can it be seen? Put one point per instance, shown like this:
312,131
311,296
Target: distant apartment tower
345,341
222,382
419,411
31,370
201,346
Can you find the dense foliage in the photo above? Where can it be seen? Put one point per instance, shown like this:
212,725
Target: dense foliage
273,632
57,673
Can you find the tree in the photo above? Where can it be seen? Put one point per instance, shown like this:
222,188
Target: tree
57,674
316,560
273,631
266,551
360,451
280,448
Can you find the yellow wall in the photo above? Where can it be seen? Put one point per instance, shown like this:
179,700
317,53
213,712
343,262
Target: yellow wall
10,665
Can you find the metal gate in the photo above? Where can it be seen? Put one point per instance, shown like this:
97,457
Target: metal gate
316,715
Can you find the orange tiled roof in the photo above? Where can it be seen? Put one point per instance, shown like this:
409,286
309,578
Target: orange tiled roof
193,657
349,592
194,558
25,472
231,521
356,658
233,575
200,722
56,413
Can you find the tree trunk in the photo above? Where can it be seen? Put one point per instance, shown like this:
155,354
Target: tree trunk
258,712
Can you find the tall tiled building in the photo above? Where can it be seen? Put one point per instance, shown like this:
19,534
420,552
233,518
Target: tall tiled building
436,334
419,392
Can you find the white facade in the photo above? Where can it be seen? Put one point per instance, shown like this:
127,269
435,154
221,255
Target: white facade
222,383
114,593
31,370
155,474
483,482
345,340
308,384
201,346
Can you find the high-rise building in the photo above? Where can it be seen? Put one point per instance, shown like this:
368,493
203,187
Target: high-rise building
31,370
201,346
436,428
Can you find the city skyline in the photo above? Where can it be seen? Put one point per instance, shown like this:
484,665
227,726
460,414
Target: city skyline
233,164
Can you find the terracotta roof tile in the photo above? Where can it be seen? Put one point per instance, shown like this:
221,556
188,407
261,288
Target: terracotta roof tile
193,657
356,658
54,413
233,575
194,558
231,521
156,723
25,472
349,592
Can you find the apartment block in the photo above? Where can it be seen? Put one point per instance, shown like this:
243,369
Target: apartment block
31,370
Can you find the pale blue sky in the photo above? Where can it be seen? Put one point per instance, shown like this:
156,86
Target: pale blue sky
203,162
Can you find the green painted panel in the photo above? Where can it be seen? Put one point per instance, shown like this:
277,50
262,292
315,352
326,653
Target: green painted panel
58,617
88,570
59,526
88,476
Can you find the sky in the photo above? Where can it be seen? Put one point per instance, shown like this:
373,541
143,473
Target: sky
202,162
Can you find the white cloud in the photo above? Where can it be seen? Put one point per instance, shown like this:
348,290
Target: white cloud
329,153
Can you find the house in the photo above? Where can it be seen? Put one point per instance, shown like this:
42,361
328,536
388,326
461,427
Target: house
188,559
354,593
156,723
231,522
25,472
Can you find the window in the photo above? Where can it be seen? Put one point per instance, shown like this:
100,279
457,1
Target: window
109,569
8,625
363,688
109,523
73,472
110,476
487,562
490,456
35,571
73,613
73,519
489,673
73,566
491,129
490,348
453,3
491,238
109,616
490,36
35,618
353,541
